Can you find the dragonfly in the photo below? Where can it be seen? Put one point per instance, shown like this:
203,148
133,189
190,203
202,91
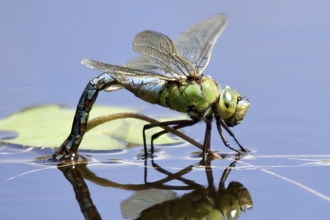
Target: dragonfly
170,74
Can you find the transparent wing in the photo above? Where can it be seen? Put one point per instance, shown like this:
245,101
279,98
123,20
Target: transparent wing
161,48
126,71
154,66
196,43
133,206
163,59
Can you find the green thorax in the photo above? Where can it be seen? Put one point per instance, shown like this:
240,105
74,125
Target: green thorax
194,97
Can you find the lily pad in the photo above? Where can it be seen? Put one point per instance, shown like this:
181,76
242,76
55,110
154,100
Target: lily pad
49,126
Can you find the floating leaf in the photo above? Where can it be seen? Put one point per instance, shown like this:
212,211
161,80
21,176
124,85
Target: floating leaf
49,126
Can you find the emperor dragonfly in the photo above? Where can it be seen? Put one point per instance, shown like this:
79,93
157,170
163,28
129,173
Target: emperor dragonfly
169,74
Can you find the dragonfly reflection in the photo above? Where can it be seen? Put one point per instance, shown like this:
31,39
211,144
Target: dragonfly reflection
157,200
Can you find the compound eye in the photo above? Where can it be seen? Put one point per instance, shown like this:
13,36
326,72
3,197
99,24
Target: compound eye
227,103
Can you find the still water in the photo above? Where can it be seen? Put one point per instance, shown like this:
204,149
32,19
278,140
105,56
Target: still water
276,53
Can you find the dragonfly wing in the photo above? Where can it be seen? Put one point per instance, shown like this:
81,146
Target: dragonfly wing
196,43
161,48
124,71
133,206
152,65
145,85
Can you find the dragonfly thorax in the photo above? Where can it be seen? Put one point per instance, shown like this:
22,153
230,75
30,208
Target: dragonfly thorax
195,97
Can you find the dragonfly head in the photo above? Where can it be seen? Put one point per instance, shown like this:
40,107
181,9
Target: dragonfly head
232,107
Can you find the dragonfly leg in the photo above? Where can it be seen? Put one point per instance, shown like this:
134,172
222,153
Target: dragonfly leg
207,138
178,123
223,137
232,135
226,173
178,126
68,149
209,174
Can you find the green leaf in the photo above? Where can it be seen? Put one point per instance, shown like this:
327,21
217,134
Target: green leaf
49,126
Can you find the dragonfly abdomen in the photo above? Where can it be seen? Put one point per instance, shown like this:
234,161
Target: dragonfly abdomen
147,89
